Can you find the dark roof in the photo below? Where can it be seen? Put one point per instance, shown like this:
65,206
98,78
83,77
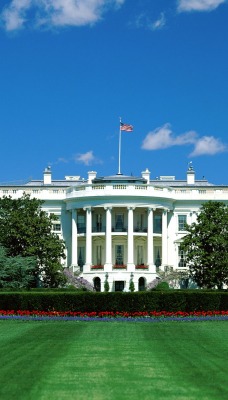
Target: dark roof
119,178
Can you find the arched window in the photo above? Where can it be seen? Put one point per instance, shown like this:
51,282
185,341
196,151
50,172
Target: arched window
97,284
142,284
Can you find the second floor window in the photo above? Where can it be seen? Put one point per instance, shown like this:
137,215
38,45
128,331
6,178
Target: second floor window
182,220
119,222
81,223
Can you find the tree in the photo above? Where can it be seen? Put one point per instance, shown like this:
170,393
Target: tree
26,231
206,246
16,272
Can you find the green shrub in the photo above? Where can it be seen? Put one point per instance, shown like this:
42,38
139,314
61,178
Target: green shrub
156,300
162,286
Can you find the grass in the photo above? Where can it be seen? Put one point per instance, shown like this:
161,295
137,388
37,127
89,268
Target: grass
113,361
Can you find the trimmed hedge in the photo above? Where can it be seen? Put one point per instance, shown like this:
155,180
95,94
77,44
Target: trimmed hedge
175,300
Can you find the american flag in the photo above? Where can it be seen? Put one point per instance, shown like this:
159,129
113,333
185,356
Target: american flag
126,127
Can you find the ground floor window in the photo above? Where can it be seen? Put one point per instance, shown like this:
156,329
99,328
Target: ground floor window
119,286
181,256
142,284
97,284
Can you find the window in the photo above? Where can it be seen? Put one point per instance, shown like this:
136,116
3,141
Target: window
98,255
81,257
98,222
157,255
181,257
119,286
119,254
81,223
140,223
56,226
97,284
140,260
182,221
141,284
119,223
157,224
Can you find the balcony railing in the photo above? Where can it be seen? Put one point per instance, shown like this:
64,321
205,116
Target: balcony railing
81,229
98,229
140,229
119,229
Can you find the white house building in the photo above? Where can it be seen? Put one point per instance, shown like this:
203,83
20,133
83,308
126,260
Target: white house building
121,228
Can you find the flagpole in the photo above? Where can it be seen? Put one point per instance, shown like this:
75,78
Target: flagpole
119,173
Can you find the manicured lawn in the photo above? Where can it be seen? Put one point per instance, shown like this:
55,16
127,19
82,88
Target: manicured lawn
98,360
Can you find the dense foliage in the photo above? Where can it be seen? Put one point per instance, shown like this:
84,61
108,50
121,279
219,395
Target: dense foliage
26,231
167,300
206,246
16,272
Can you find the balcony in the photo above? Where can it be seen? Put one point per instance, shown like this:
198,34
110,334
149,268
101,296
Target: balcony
119,229
98,228
81,229
140,229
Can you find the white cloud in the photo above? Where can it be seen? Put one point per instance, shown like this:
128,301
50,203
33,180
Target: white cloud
143,21
163,137
55,12
159,23
87,158
199,5
14,16
208,145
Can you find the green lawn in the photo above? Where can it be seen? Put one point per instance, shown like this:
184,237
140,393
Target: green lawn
98,360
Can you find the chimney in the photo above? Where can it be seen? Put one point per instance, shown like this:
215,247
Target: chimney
190,174
146,175
47,176
91,176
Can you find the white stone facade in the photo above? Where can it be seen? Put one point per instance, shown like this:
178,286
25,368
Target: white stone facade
121,228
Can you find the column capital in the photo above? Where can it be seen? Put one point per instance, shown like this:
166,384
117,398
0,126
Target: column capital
108,208
131,208
88,208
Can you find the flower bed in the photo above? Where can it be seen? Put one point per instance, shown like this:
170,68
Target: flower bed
97,267
141,266
116,316
116,266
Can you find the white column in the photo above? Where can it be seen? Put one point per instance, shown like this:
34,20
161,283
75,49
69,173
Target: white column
88,238
130,241
74,239
164,239
108,243
150,241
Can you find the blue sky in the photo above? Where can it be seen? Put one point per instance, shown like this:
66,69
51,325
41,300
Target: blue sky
70,68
